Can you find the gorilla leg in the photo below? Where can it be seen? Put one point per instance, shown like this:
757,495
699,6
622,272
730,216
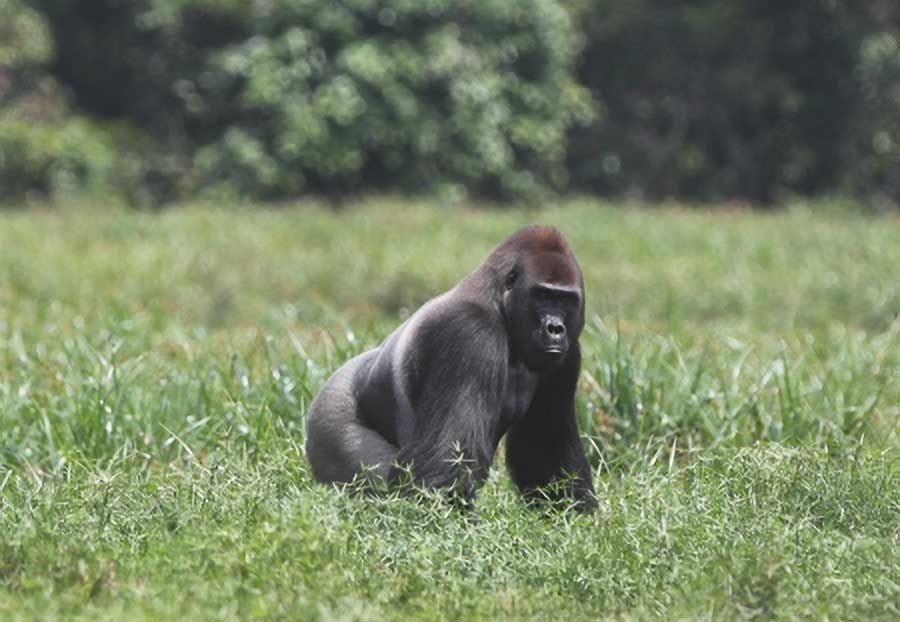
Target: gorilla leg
339,445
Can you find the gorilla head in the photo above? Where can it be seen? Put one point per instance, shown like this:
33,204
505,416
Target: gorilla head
543,300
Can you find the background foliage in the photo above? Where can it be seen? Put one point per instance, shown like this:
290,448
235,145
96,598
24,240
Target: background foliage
698,100
43,146
741,100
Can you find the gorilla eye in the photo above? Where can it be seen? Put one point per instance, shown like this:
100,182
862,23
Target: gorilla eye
511,278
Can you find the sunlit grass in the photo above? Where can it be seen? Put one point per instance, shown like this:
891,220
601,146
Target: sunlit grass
740,398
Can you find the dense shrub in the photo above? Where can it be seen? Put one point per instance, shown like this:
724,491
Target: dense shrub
283,97
43,148
53,158
746,100
876,146
715,99
24,40
409,94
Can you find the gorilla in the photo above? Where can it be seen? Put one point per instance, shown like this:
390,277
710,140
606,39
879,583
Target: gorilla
496,355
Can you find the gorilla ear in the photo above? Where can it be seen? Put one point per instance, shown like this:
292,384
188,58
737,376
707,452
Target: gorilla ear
511,277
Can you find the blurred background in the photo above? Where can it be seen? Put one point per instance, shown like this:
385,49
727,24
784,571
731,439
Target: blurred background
154,101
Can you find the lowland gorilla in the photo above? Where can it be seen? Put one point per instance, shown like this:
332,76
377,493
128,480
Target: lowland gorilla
497,354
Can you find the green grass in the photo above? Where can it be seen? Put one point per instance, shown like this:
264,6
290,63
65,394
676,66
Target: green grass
740,399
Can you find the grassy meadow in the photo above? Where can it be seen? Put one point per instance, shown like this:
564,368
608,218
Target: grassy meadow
740,398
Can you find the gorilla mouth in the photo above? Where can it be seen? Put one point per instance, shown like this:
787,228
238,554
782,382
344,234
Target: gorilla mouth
555,350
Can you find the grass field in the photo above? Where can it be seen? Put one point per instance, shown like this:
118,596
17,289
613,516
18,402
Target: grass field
740,399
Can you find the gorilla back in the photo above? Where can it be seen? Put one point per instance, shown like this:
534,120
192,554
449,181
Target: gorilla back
496,355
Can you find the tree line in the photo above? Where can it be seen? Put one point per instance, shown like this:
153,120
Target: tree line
705,100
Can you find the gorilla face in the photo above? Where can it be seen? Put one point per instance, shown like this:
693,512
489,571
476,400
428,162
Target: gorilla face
543,317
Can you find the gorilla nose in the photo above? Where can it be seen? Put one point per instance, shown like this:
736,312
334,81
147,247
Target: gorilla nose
554,328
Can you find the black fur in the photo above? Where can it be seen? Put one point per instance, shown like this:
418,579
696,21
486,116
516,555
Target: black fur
496,355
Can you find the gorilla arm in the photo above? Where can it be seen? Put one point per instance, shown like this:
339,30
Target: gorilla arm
455,383
544,446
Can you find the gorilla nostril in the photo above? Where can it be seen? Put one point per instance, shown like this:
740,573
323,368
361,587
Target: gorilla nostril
556,328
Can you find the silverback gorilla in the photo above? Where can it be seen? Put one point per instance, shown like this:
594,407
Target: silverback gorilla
497,354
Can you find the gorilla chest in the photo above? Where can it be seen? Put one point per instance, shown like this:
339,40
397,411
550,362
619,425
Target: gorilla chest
521,385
